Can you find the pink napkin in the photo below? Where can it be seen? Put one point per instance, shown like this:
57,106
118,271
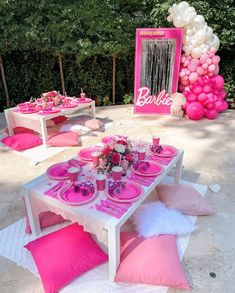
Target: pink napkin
146,181
76,163
54,190
112,208
161,160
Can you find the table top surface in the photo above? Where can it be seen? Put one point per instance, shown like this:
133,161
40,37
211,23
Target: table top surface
40,184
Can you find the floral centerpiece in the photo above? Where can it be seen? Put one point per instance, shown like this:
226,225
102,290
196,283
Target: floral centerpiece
118,152
53,97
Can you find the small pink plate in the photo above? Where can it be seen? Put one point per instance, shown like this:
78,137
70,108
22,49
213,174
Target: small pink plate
153,169
168,151
58,171
86,100
47,112
132,192
85,154
28,111
67,106
68,195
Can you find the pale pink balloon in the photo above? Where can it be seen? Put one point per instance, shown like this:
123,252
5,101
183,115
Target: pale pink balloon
195,111
211,114
216,71
211,68
200,70
209,61
183,58
187,72
215,59
193,77
203,58
182,73
204,65
192,67
195,61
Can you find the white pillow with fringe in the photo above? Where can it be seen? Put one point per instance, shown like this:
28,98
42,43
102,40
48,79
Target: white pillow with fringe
153,219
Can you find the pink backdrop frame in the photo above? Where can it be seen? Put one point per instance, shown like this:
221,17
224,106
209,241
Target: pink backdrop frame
165,101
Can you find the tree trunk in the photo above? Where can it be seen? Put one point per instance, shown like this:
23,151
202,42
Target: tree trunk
114,78
61,73
4,82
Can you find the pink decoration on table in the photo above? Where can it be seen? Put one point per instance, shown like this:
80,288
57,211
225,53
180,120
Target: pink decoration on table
156,100
63,255
52,191
85,154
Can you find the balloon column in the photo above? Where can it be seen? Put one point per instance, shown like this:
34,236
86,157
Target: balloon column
199,79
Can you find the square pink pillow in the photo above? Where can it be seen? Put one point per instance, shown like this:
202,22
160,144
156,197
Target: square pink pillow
22,141
19,129
59,119
152,261
185,199
63,255
46,219
94,124
61,139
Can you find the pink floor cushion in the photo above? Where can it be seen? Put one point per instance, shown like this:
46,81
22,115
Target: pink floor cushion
22,141
94,124
184,198
59,119
46,219
64,255
152,261
19,129
61,139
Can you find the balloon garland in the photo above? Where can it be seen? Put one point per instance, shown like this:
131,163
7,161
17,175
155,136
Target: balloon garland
198,77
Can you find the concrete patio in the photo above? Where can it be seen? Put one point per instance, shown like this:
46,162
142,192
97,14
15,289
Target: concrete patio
209,159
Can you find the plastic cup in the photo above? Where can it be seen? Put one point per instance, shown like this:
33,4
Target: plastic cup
95,158
141,154
100,181
117,172
156,140
82,96
73,173
39,107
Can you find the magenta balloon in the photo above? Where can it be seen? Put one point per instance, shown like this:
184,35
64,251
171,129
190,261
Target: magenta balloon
219,106
223,93
185,106
211,114
209,96
195,111
206,89
210,106
191,97
225,105
201,97
218,82
197,89
186,93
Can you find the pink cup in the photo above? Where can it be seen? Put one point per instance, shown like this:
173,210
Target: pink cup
141,154
73,173
39,107
95,158
82,96
156,140
100,181
50,104
117,172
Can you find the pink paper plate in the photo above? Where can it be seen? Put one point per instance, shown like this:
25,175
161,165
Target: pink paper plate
153,169
168,151
28,111
68,195
131,193
68,106
85,154
47,112
58,171
86,100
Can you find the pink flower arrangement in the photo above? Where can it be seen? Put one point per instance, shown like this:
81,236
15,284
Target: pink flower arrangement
52,96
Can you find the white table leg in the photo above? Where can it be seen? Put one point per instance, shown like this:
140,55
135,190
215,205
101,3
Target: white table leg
114,251
33,218
8,120
178,170
43,126
93,109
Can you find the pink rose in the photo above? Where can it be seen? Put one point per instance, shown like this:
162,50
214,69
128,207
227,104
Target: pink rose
128,157
106,151
121,142
115,158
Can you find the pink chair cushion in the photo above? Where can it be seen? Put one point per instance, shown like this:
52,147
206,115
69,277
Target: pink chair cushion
61,139
94,124
19,129
184,198
46,219
152,261
59,119
63,255
22,141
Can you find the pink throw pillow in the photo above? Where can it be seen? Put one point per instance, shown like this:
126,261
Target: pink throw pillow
59,119
19,129
22,141
185,199
152,261
46,219
63,255
61,139
94,124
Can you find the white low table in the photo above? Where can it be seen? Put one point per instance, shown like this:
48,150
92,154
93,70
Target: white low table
93,220
38,122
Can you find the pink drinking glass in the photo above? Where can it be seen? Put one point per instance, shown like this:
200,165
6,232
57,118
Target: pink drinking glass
141,154
100,181
73,173
156,140
95,158
117,172
82,96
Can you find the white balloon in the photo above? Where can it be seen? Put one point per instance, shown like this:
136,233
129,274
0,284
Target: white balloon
201,36
196,53
183,5
178,21
169,18
214,42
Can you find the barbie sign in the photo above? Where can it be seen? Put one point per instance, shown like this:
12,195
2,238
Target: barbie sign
157,61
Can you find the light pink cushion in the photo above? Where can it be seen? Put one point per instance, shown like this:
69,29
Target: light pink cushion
184,198
63,139
152,261
94,124
63,255
46,219
59,119
22,141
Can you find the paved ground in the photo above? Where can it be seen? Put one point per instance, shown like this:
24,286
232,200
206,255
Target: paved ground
209,159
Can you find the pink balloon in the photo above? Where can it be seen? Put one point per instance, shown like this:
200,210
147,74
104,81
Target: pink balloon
207,88
225,105
185,106
223,93
182,73
219,106
186,93
204,65
211,68
195,111
216,59
209,61
209,96
184,81
211,114
203,58
197,89
218,82
191,97
193,77
210,106
201,97
216,71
